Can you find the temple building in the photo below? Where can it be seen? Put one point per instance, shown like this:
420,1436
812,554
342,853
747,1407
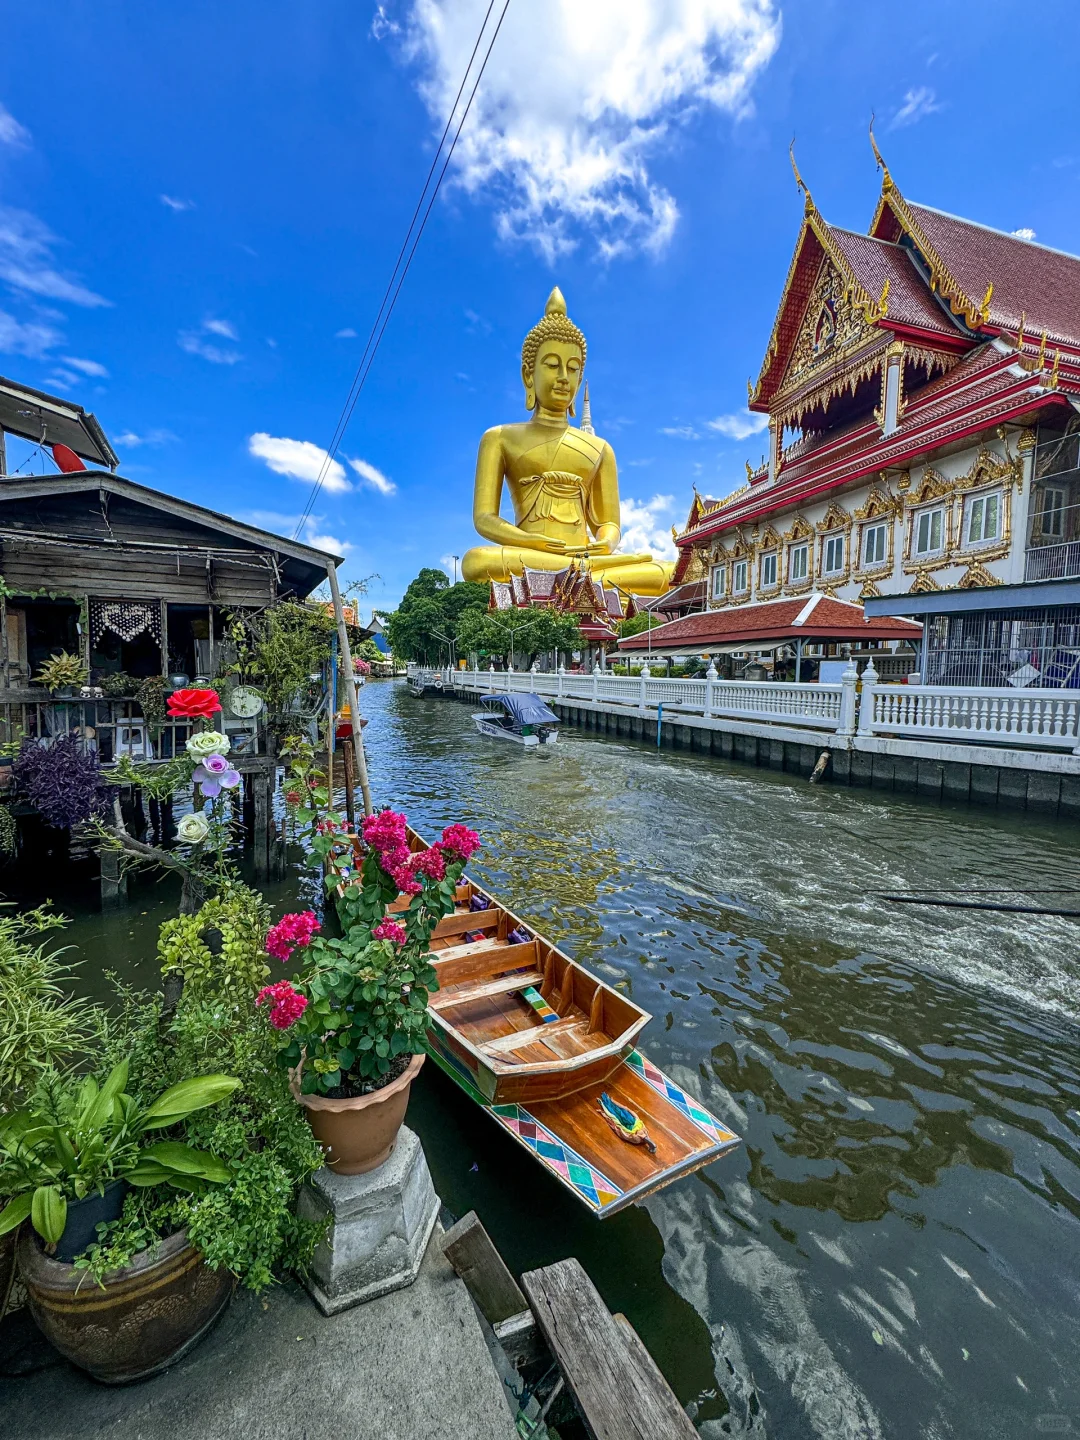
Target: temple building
598,608
922,388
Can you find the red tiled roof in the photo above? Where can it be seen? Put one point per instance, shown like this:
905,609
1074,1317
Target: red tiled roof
826,619
910,300
1026,277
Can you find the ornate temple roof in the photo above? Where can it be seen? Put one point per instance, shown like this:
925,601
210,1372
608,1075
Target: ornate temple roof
814,617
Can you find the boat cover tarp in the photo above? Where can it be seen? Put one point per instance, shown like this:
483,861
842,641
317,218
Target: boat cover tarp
524,709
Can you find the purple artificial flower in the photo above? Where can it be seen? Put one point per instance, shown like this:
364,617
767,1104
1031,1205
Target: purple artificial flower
215,773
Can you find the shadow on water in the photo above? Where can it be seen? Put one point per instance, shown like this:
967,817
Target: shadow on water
892,1250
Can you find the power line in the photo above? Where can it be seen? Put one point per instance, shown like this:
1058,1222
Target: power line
382,317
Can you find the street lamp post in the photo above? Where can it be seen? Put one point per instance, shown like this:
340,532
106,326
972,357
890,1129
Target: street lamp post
455,559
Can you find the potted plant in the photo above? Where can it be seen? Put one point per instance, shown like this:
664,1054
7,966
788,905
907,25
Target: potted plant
63,673
357,1018
63,781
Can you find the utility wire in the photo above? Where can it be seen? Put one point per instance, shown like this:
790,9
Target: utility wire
382,317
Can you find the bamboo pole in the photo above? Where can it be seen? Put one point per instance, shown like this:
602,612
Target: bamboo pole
350,687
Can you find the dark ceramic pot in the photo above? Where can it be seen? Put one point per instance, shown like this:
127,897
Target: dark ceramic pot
145,1317
7,1267
84,1216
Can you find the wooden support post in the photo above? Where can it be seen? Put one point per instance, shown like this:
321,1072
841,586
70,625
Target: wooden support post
348,760
114,885
350,686
470,1250
263,820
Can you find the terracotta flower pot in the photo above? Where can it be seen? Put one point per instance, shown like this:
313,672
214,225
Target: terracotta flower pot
358,1134
149,1313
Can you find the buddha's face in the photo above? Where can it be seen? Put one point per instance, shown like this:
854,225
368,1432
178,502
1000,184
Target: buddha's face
556,374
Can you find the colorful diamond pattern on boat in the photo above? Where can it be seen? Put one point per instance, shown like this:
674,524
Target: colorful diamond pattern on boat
591,1184
539,1004
686,1103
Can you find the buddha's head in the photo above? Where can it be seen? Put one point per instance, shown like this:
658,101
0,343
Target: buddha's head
553,358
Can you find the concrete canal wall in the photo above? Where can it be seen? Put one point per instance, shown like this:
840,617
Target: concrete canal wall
1043,781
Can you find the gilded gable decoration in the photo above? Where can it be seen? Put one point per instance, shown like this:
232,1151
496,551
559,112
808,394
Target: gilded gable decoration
801,529
923,584
831,326
835,518
976,576
869,590
769,540
932,486
880,505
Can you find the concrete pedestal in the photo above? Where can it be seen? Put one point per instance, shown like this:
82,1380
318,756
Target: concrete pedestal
381,1225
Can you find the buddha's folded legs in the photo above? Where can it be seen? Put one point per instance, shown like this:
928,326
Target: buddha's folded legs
639,574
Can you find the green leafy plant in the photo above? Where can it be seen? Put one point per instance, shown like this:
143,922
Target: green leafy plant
119,685
151,698
61,670
279,649
41,1025
219,950
76,1136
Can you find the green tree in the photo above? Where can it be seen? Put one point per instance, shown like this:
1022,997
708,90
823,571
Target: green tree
430,610
641,622
529,631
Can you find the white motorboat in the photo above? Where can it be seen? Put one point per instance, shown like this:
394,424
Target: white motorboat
524,719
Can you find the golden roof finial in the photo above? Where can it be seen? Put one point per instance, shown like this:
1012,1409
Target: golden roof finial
749,471
984,308
1042,352
749,391
886,178
1053,382
1020,336
798,178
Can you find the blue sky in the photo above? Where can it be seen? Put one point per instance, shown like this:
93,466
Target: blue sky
199,202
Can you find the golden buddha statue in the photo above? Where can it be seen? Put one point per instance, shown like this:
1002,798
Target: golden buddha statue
563,481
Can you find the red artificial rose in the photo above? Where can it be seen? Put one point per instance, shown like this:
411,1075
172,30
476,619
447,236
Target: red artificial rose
193,704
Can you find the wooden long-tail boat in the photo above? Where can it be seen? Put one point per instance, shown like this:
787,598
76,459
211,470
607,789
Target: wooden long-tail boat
550,1051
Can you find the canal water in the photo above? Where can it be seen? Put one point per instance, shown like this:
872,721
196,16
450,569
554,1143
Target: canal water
894,1250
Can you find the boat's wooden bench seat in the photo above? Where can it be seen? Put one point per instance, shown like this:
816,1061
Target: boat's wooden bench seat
539,1034
617,1385
520,980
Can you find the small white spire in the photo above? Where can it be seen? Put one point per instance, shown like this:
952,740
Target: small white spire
586,413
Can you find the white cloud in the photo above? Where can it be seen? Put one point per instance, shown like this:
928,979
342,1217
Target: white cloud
563,147
644,526
130,440
1025,233
87,367
194,342
30,339
918,103
279,524
178,205
375,478
11,132
26,261
739,426
299,460
680,432
347,334
382,24
62,380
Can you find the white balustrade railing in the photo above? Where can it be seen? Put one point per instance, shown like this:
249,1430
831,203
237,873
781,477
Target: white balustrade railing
1003,717
1041,719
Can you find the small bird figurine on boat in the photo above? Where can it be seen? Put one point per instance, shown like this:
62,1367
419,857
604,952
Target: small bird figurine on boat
625,1123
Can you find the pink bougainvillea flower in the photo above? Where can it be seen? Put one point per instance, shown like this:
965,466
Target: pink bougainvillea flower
286,1004
460,841
430,863
385,831
390,930
406,881
290,932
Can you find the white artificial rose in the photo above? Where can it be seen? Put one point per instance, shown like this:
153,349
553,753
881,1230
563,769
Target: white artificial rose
193,828
208,742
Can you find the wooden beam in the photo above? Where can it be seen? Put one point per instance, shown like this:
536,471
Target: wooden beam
535,1035
618,1387
483,958
470,1250
350,686
446,1000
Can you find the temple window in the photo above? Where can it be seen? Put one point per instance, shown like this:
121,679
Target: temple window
799,563
1052,511
834,554
875,543
716,582
739,577
983,516
768,570
930,531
